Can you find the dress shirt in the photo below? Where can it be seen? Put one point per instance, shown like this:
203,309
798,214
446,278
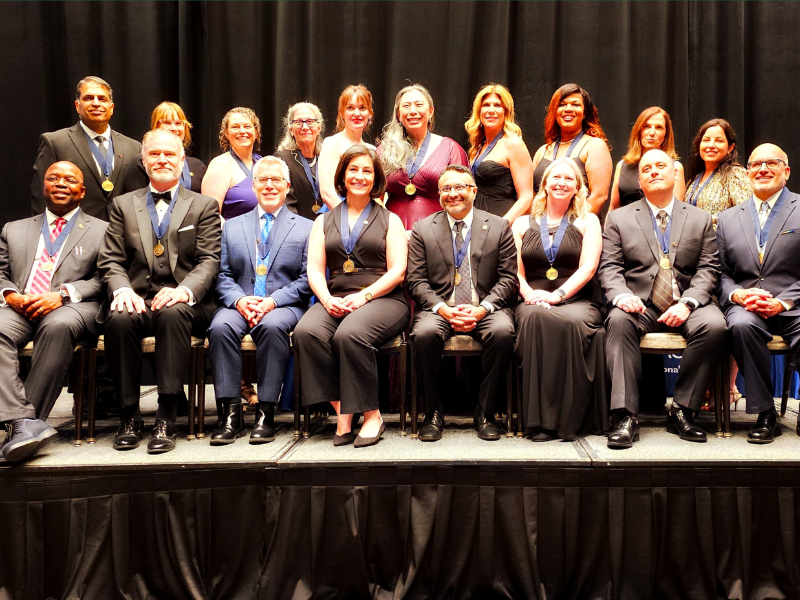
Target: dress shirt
106,135
261,213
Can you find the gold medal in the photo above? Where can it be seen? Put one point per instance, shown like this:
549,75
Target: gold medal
458,278
46,266
664,263
411,189
158,249
349,266
317,207
552,274
261,270
107,185
761,257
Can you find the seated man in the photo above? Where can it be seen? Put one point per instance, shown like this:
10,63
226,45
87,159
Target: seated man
160,260
50,294
759,251
659,269
462,273
263,289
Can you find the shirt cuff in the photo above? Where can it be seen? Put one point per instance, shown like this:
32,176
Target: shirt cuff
3,295
619,297
488,306
192,301
436,307
74,295
787,304
122,289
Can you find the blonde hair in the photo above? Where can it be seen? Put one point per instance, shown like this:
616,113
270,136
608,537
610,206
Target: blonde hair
164,111
579,205
396,147
474,126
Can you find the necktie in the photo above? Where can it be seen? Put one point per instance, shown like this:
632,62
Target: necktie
763,213
42,278
463,290
101,145
662,288
261,280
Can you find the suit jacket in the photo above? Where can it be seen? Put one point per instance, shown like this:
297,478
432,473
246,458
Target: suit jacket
430,278
71,144
287,279
193,245
738,253
300,198
629,262
77,261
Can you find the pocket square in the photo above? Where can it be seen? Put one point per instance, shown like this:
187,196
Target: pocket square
187,228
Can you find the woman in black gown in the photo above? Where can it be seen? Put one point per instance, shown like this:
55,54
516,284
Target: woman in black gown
362,306
560,341
500,161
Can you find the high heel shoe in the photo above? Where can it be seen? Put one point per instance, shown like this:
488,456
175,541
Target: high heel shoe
347,438
362,442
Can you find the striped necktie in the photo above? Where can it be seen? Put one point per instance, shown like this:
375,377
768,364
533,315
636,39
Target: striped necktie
43,277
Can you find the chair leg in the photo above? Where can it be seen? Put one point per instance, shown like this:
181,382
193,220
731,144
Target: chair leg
306,420
786,384
193,369
80,390
726,395
511,384
92,396
403,390
201,394
298,398
413,400
720,399
520,421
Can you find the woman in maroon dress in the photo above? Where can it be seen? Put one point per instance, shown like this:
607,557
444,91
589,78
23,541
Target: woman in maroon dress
413,156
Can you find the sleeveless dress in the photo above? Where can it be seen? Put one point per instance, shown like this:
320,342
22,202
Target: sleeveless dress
496,191
538,172
561,350
629,190
425,201
240,198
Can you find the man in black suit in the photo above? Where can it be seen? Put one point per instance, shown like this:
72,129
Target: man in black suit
462,273
659,269
110,162
759,247
160,260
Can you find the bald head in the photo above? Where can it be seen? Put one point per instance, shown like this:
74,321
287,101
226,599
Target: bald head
63,187
768,170
657,177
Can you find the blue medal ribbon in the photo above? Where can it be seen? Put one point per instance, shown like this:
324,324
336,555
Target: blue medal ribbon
186,177
571,146
460,253
663,238
243,166
694,193
349,238
416,162
266,245
160,229
53,247
762,234
485,153
551,250
309,175
107,163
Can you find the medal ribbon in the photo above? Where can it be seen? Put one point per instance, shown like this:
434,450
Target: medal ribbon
264,246
416,162
53,246
186,177
762,234
693,197
485,153
309,175
161,229
571,146
551,250
349,238
460,253
106,164
663,238
243,166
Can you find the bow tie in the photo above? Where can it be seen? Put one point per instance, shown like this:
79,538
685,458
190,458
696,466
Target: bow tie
165,196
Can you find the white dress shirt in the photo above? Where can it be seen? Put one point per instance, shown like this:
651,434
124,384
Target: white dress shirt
106,135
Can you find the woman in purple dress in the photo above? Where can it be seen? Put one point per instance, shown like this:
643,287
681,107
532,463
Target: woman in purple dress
413,156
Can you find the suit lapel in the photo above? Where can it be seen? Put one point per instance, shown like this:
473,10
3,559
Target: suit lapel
441,231
645,221
248,225
78,231
748,232
31,244
283,225
676,231
119,158
780,221
78,137
480,231
182,205
145,226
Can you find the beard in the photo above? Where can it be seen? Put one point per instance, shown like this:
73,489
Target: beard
164,176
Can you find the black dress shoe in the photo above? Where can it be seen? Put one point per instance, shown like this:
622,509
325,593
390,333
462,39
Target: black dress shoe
767,428
129,434
347,438
363,442
432,427
264,428
625,434
487,429
232,425
163,437
681,422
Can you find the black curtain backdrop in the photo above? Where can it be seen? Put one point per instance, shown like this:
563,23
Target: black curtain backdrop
698,60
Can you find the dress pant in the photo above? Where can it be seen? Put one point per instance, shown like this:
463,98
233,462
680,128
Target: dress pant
339,357
172,327
271,336
749,337
54,339
705,332
495,332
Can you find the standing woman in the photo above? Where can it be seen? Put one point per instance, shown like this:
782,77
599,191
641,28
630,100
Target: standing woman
413,156
572,128
229,178
716,180
300,147
652,131
170,116
558,345
362,306
500,161
352,119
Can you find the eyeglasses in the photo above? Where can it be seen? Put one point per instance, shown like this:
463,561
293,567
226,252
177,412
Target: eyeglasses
307,122
171,123
57,178
274,180
446,189
773,164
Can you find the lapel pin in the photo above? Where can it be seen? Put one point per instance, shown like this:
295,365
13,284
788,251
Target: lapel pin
674,244
485,227
80,225
191,174
366,222
120,155
140,210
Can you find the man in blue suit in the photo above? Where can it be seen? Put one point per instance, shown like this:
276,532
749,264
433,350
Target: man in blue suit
263,289
759,246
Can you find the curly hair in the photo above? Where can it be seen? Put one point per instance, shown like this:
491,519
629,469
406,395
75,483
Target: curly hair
287,141
248,113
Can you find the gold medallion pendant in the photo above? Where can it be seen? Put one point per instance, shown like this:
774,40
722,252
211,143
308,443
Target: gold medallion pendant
349,266
46,266
316,207
107,185
261,270
664,263
761,257
158,249
552,274
458,278
411,189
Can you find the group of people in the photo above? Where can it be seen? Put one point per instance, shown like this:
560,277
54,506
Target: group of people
134,240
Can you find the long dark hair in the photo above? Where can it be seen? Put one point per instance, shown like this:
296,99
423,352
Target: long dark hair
697,165
590,123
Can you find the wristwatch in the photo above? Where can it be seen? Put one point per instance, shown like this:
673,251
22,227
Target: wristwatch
561,292
65,299
688,304
367,296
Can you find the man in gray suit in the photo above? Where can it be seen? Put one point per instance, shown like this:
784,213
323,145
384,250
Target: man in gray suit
50,294
110,162
263,288
160,260
659,269
759,252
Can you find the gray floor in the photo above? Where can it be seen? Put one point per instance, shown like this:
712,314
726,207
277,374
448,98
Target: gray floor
459,446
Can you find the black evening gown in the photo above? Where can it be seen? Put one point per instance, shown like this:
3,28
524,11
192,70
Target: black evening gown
629,190
561,349
496,191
